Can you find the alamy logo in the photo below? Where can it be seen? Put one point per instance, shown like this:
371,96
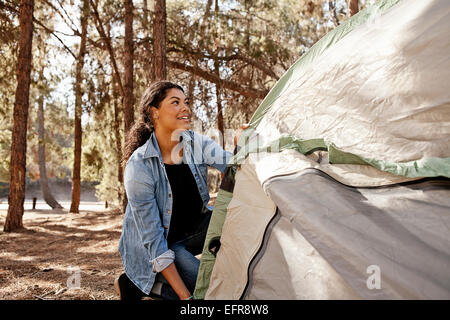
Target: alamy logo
374,280
74,280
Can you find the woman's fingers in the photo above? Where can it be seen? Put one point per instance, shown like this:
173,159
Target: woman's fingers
239,132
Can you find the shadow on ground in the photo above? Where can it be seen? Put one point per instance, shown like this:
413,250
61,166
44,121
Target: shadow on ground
44,260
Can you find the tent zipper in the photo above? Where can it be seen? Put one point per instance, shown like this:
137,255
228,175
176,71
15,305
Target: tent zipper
260,251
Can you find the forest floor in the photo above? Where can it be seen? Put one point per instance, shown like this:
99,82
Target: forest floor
61,255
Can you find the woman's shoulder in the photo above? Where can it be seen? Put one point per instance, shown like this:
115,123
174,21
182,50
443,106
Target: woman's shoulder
138,154
138,169
138,157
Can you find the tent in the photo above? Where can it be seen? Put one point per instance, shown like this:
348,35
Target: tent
340,189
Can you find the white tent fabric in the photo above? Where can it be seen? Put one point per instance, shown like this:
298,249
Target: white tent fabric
325,236
382,92
298,227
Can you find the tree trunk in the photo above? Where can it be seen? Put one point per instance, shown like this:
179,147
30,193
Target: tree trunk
76,174
159,42
147,45
43,181
120,193
353,7
128,99
16,195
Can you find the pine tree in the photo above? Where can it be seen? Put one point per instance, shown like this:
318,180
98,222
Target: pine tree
16,196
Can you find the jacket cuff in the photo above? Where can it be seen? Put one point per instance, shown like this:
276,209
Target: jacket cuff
163,261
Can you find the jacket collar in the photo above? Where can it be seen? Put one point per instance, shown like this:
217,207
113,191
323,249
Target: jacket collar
152,146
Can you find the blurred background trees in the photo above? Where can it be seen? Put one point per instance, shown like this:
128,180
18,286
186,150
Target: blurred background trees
226,54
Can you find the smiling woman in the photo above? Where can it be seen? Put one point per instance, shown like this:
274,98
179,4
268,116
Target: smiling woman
167,215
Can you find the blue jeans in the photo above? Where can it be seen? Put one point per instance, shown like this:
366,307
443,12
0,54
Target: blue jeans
187,266
185,261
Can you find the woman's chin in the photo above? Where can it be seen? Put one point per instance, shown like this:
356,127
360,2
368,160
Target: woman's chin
185,126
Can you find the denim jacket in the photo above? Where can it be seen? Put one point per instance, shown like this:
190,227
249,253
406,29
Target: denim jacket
146,224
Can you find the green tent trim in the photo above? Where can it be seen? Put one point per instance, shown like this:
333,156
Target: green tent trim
214,230
283,143
426,167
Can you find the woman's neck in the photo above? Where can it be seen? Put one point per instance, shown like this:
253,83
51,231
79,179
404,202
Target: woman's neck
167,144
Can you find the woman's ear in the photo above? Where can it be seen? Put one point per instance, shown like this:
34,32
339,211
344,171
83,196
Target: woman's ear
154,112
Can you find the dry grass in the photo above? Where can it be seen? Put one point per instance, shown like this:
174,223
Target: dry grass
35,262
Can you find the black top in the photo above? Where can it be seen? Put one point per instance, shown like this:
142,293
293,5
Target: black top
187,203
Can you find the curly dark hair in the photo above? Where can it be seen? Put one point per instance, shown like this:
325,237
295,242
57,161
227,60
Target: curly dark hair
141,131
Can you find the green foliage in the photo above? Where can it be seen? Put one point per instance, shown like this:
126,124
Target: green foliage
247,43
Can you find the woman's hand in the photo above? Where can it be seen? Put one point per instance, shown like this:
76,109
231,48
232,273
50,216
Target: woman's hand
239,132
173,277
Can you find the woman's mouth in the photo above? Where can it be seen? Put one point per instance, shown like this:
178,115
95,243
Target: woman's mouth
184,118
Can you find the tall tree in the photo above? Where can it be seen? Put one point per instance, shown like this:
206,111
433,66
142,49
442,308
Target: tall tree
159,41
120,194
16,195
128,98
43,180
147,44
125,89
40,89
76,173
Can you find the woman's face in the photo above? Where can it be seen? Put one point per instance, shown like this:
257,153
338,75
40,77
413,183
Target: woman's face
173,113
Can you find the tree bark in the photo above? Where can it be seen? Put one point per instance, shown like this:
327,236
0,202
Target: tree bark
128,99
76,174
353,7
16,195
159,42
120,193
43,180
147,44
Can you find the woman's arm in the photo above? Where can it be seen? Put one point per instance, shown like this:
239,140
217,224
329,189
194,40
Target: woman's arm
239,132
215,155
173,277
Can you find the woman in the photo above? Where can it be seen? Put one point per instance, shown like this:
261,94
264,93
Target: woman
166,218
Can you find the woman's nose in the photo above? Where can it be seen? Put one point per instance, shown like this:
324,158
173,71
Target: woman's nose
186,106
